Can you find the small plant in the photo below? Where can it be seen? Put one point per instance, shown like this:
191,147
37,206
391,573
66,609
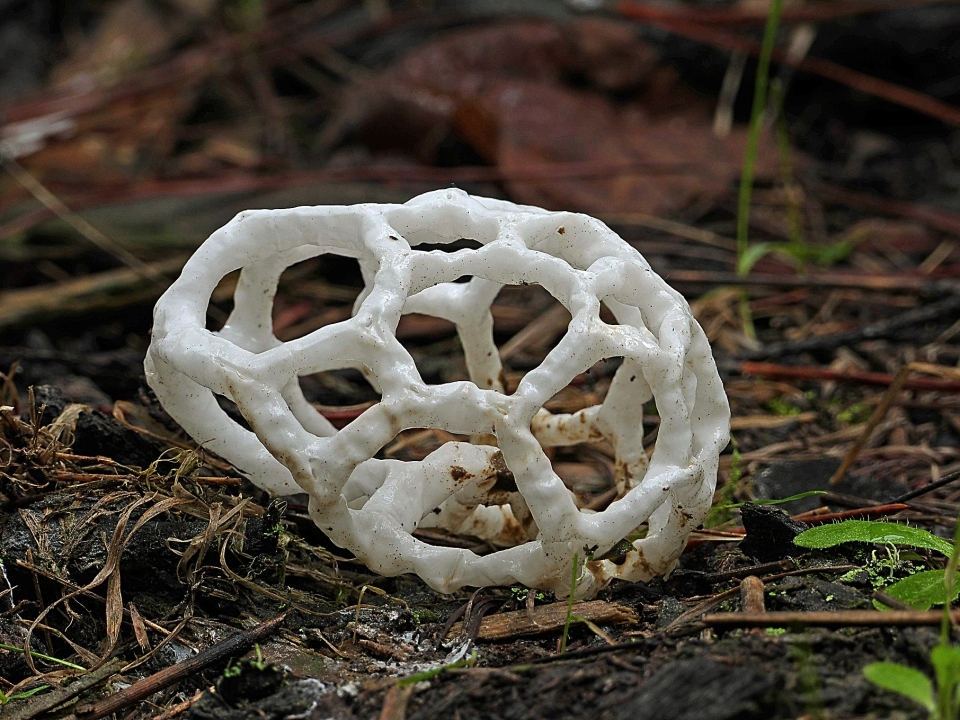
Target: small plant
857,413
779,406
520,594
942,701
237,668
871,531
4,698
920,590
753,137
796,249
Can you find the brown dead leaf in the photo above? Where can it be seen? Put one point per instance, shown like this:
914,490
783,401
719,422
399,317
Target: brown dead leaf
412,105
504,90
680,162
139,627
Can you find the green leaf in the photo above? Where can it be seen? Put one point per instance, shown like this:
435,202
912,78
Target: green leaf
869,531
946,666
902,679
921,590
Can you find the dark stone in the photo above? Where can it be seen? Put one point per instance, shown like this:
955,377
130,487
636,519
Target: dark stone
249,681
809,594
770,532
97,433
668,610
294,700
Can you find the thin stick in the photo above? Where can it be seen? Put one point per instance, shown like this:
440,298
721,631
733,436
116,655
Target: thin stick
945,480
95,236
752,598
890,601
179,708
828,618
39,594
934,217
751,595
242,182
831,279
395,703
63,476
748,16
168,676
542,329
945,307
712,602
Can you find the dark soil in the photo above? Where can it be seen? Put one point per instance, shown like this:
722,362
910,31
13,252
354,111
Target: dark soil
122,539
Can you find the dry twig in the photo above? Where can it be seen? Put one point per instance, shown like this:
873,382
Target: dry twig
158,681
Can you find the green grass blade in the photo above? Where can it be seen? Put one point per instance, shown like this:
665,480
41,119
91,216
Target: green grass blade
43,657
25,694
780,501
950,584
756,123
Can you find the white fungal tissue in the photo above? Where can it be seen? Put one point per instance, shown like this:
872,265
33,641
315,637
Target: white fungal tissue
506,493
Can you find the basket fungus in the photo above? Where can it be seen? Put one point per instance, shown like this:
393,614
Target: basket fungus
371,505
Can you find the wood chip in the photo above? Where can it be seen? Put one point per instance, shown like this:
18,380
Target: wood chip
828,618
547,618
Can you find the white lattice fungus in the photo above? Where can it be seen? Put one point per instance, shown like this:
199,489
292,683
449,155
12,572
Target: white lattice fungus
508,494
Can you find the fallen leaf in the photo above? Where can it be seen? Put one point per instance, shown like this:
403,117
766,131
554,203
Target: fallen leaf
504,89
